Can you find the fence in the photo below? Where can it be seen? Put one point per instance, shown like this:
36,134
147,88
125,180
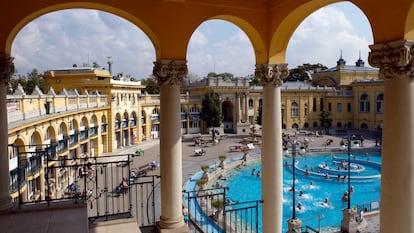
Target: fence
105,183
211,211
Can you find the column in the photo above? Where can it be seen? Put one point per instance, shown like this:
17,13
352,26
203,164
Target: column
395,60
169,74
246,107
243,97
271,77
6,70
238,109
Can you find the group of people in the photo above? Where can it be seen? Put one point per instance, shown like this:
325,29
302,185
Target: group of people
254,173
85,170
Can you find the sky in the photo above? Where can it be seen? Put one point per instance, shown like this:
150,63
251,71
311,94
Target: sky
79,36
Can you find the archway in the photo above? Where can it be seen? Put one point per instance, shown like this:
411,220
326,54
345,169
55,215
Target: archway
227,108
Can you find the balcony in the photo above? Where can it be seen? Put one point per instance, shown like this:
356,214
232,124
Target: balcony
59,217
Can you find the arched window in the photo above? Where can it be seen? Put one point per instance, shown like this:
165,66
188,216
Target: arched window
380,103
295,111
155,117
364,103
260,103
183,113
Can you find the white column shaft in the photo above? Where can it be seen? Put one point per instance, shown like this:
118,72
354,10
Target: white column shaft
272,175
170,157
397,179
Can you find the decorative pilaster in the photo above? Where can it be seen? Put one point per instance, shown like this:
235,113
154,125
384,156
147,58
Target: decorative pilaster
271,77
6,71
395,61
169,74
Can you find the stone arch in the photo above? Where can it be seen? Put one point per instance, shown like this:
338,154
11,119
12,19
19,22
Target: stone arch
93,121
84,5
63,129
287,24
35,140
409,24
84,122
228,116
50,135
256,40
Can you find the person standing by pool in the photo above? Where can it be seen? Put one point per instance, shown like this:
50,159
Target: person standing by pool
185,214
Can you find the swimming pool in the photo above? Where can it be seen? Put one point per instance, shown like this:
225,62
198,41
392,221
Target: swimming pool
365,181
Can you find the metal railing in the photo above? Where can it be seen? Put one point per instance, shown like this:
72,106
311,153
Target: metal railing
96,181
211,211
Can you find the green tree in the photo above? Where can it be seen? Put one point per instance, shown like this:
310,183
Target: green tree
302,73
34,79
326,119
151,85
14,82
211,110
255,82
96,65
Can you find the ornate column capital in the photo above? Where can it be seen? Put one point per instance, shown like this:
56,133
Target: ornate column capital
169,71
6,68
271,74
395,59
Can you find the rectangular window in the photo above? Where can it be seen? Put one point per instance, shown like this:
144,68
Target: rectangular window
330,107
349,107
314,105
339,107
321,103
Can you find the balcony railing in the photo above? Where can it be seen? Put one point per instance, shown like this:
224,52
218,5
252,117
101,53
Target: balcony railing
93,131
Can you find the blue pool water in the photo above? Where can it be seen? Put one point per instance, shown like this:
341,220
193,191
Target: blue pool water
365,180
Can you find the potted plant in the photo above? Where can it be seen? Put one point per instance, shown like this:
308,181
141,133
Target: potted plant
219,206
222,158
205,169
201,183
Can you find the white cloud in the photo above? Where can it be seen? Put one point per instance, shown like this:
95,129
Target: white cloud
322,36
64,38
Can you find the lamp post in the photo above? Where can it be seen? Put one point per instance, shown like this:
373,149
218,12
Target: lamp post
293,180
294,224
349,172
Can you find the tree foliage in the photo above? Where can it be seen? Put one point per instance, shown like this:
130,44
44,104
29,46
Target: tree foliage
302,73
151,85
211,109
34,79
28,83
326,119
